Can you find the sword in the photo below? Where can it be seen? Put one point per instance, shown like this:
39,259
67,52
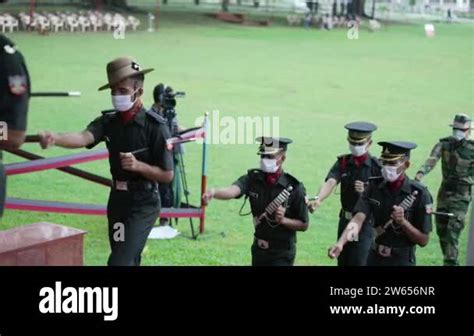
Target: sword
138,151
441,213
56,94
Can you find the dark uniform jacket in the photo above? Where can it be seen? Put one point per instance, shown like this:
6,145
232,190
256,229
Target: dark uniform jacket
145,130
378,201
260,194
14,97
345,172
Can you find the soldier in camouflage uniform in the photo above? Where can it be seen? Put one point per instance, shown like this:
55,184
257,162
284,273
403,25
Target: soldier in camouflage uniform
457,156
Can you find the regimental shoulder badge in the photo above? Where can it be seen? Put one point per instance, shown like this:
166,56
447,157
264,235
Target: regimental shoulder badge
253,194
18,85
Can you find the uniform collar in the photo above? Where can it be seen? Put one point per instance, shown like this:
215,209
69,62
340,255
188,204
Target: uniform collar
282,180
405,186
140,117
367,161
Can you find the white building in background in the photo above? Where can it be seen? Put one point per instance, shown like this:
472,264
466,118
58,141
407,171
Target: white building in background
325,6
457,5
299,6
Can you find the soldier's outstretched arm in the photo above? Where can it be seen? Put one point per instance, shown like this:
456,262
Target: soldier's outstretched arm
351,233
430,163
326,189
221,193
66,140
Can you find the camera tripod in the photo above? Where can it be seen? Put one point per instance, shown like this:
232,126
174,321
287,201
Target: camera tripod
186,193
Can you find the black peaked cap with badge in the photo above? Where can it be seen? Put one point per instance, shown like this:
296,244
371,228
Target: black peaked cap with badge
359,131
272,145
395,150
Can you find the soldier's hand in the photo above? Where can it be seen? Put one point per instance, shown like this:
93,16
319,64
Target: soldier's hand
280,214
47,139
398,215
359,186
208,196
335,250
419,176
314,205
351,232
129,162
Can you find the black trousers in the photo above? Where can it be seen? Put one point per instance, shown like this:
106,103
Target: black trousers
399,257
355,253
274,256
131,216
166,195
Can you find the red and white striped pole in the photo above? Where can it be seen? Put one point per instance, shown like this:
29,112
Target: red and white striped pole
204,171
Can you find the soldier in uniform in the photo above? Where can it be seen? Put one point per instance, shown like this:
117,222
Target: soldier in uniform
14,98
401,210
136,141
353,172
277,201
454,195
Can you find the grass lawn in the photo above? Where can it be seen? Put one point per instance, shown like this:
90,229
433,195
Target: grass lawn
314,81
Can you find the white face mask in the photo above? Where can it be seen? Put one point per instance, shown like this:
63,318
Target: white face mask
358,150
390,173
459,135
123,103
269,165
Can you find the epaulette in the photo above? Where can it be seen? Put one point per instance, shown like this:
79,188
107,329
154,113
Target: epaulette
254,172
155,116
293,180
108,112
418,186
447,139
344,156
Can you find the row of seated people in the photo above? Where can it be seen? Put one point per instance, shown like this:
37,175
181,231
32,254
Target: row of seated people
329,22
66,21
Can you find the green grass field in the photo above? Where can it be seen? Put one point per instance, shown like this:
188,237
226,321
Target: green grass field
315,81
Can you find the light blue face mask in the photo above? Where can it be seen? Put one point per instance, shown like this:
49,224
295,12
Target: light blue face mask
123,103
269,165
459,134
358,150
391,173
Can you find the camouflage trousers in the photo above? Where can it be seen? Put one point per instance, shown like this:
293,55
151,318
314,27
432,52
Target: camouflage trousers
457,201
